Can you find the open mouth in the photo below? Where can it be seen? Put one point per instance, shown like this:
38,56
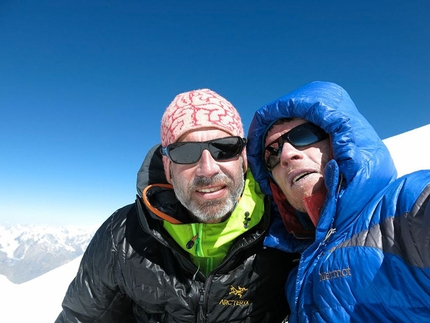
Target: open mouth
210,189
301,176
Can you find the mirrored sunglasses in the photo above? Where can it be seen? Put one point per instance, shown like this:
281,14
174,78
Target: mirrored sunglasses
301,136
189,152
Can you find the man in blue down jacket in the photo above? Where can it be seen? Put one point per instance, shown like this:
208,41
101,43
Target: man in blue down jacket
363,235
191,247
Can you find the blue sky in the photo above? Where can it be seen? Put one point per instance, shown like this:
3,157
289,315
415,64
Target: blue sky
83,84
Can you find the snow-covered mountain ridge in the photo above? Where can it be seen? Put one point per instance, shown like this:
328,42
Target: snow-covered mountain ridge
28,251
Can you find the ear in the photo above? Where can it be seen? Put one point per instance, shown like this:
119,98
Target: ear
245,161
166,164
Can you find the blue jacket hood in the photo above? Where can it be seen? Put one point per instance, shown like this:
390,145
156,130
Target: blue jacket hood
361,165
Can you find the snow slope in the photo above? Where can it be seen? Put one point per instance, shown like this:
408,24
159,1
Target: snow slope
39,300
410,150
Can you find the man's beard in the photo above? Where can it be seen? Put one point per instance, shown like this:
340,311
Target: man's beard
210,211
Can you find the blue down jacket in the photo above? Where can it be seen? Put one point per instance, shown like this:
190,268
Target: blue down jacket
369,258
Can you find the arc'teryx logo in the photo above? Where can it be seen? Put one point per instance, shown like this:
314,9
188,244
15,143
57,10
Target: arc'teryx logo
239,291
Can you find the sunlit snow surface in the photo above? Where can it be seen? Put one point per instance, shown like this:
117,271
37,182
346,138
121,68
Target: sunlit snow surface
410,150
39,300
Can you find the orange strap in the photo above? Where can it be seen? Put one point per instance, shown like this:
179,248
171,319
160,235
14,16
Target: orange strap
154,210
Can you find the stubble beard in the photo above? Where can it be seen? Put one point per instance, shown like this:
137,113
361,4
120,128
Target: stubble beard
210,211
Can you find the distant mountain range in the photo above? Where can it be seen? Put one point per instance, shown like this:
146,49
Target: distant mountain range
28,251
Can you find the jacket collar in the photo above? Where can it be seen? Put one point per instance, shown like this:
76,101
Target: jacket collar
290,216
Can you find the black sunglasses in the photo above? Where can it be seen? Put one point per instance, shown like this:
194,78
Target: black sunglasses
301,136
189,152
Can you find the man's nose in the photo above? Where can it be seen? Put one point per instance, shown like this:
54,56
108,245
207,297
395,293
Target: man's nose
289,154
207,166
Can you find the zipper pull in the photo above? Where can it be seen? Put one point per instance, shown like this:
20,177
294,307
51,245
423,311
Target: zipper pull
190,243
329,234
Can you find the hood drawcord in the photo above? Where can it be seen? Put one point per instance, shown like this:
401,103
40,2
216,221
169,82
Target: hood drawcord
195,274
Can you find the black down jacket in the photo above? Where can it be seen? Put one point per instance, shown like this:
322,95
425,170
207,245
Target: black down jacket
134,271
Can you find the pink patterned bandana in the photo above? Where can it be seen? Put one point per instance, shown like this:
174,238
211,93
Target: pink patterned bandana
199,109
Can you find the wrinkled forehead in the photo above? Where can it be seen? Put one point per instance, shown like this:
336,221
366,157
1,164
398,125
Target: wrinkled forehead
280,127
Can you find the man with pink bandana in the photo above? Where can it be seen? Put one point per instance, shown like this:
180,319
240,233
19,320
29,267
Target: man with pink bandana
190,249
